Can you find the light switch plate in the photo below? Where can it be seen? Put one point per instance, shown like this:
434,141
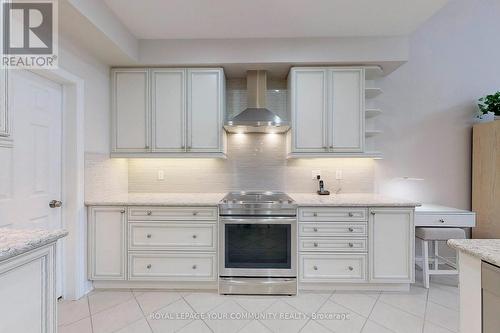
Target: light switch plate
161,175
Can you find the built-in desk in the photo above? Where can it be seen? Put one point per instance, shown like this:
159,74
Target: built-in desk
430,215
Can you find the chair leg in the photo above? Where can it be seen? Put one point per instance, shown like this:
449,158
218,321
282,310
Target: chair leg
425,250
436,255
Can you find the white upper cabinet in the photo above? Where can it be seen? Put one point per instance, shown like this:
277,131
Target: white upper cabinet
327,107
168,109
205,110
168,112
130,110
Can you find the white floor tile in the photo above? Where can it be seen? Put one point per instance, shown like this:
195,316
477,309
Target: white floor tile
432,328
348,322
307,302
254,327
442,316
283,324
117,317
222,324
443,296
414,304
255,304
204,302
81,326
162,324
140,326
397,320
150,301
102,300
373,327
197,326
314,327
357,302
72,311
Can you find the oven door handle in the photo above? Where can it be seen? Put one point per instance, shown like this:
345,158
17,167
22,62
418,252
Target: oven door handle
252,220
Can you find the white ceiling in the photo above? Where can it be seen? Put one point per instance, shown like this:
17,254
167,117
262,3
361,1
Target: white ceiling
201,19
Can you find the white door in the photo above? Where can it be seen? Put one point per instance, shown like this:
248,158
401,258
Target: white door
30,172
130,110
309,110
205,106
347,110
168,109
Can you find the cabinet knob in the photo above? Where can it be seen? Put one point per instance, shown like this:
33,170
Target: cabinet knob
373,213
149,213
148,235
195,213
350,268
315,268
194,236
351,229
315,229
147,147
148,266
351,245
194,267
315,244
122,211
315,214
441,220
350,214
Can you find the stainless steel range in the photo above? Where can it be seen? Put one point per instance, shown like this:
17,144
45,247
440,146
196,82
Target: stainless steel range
258,244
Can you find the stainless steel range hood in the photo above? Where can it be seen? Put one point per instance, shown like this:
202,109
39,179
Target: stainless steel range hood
256,118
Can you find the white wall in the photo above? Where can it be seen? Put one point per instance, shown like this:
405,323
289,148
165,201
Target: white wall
428,103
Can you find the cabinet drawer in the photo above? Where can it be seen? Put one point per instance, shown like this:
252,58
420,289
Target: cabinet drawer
332,229
314,214
172,266
172,236
443,220
333,245
333,267
173,213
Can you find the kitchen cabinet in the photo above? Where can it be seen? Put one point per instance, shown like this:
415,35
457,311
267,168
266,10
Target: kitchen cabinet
327,108
107,241
391,234
130,110
168,112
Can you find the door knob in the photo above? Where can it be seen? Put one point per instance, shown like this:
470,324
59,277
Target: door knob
55,204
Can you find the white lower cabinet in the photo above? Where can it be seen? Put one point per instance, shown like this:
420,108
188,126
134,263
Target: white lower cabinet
391,234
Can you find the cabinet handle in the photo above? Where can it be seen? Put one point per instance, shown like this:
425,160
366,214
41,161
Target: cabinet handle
350,214
315,268
194,236
148,266
122,211
148,235
315,229
149,213
315,244
351,229
195,213
315,214
441,220
350,268
194,266
373,213
351,245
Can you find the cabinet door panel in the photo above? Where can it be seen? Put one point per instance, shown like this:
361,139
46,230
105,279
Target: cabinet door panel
391,239
309,110
346,93
4,110
168,109
130,110
107,243
205,106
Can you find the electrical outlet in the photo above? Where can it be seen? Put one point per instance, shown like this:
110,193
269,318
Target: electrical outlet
338,174
315,174
161,175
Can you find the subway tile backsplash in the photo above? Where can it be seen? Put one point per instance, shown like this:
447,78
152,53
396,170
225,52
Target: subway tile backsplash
255,162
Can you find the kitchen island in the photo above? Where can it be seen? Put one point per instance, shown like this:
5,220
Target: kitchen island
27,280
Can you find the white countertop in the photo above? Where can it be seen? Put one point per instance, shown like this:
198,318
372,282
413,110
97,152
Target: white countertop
484,249
14,242
212,199
351,199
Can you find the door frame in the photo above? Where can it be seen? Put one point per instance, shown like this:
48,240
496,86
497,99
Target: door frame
74,284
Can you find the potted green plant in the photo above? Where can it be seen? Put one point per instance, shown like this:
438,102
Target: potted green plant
489,106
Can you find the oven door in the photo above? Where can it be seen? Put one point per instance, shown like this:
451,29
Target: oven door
256,247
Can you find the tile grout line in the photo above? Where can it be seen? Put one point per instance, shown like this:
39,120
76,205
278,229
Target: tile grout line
142,311
90,314
371,310
189,304
425,310
319,308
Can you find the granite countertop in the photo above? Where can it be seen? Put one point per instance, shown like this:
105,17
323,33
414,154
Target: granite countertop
14,242
157,199
484,249
351,199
